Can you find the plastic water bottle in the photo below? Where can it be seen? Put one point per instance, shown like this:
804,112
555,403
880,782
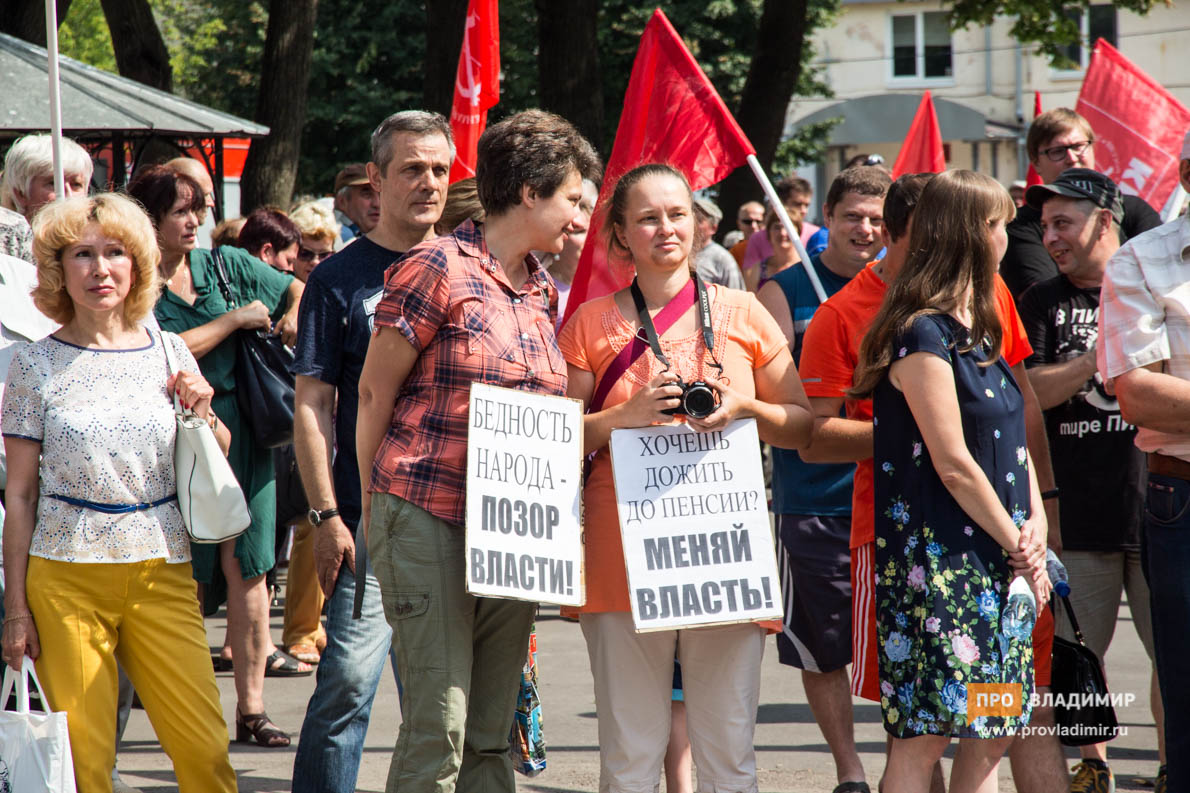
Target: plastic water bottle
1021,611
1057,572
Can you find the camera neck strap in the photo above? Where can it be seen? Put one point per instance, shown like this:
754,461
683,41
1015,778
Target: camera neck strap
703,302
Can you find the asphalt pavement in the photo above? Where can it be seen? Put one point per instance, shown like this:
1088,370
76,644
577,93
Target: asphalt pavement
791,753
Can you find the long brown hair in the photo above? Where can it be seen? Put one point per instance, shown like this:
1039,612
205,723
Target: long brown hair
949,248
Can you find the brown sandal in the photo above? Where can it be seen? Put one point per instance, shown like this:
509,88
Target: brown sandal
257,727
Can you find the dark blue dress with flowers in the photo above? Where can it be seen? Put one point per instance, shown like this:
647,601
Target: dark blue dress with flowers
942,581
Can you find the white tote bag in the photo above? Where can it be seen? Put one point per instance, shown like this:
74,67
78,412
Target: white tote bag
209,496
34,746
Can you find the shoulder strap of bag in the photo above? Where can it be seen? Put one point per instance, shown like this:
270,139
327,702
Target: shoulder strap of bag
1078,634
171,363
221,277
664,320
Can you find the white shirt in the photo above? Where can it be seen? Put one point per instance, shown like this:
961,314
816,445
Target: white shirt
20,321
107,430
1144,316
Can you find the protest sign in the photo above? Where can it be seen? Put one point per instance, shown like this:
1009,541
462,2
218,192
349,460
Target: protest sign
524,490
695,524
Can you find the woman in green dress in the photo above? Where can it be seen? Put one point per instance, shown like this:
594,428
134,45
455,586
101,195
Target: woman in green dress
193,306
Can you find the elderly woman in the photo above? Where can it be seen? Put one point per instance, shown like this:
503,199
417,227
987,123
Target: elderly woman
96,553
193,306
450,310
651,228
28,183
320,233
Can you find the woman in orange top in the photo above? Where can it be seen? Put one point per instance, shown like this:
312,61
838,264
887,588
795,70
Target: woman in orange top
652,229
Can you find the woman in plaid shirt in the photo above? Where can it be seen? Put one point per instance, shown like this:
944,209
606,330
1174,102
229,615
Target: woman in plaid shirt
474,306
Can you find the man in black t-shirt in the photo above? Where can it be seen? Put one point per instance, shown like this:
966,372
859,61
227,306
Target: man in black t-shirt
1058,139
1099,472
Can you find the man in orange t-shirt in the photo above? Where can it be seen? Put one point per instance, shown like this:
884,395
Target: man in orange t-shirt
829,357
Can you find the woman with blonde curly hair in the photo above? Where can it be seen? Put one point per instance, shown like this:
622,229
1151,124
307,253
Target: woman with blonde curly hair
96,555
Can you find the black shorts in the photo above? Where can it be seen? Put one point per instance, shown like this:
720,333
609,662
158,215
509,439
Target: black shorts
815,568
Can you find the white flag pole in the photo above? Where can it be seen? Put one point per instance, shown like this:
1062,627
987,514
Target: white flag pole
51,37
1173,206
790,229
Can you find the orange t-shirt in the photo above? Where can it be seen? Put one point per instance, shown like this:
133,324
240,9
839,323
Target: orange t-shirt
746,338
738,250
830,353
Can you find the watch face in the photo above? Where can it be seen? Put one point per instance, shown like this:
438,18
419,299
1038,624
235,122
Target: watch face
314,517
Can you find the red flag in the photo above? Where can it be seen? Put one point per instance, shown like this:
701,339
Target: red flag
1138,125
477,84
672,114
1032,177
922,150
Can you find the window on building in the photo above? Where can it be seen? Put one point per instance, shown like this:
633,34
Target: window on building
1097,22
921,47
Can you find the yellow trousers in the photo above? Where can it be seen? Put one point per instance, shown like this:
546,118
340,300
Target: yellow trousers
303,594
145,615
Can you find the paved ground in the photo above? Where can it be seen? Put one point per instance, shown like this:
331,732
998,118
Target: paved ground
791,753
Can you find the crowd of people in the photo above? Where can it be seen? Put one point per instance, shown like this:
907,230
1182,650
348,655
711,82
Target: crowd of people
989,377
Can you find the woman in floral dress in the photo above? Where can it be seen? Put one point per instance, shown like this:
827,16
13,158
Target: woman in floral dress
953,488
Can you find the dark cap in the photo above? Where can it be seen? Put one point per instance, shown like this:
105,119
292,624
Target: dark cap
1082,183
353,174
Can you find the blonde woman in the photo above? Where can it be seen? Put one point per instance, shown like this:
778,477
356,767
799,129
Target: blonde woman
96,556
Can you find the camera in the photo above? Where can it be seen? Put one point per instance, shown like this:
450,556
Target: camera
697,399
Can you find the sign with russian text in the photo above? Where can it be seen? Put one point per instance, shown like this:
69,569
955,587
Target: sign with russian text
695,524
524,496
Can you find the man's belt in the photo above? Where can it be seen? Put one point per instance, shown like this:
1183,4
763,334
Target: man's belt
1164,465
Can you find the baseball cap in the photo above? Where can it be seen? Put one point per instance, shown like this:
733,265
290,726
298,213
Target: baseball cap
707,206
351,175
1080,183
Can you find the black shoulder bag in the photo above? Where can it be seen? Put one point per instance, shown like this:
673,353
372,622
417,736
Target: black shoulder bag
1084,713
264,381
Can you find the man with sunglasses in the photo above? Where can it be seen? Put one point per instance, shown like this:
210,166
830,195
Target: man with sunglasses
1058,140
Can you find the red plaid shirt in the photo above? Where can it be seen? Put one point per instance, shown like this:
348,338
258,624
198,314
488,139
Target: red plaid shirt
452,301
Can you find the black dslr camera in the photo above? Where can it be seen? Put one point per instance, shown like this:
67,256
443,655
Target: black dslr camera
697,400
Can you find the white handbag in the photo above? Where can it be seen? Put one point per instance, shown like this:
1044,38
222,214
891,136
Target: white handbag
209,496
34,746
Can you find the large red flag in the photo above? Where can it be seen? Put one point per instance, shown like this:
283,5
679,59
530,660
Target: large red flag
922,150
477,84
671,114
1138,125
1032,177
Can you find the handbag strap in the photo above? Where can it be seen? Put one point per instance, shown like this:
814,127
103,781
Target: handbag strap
10,677
222,279
664,320
1078,634
171,363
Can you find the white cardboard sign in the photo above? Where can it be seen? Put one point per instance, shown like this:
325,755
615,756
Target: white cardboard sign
524,496
695,524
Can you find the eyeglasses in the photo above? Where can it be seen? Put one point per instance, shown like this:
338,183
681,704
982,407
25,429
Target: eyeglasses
1058,153
306,255
752,221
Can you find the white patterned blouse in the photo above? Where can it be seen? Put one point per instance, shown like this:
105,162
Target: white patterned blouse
106,428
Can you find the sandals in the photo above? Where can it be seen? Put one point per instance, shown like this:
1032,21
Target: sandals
257,727
306,653
852,787
279,664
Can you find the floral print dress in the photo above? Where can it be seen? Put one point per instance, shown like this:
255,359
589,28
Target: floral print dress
942,581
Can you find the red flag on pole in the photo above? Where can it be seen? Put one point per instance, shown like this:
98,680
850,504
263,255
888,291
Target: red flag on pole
672,114
477,84
1032,177
1138,124
922,150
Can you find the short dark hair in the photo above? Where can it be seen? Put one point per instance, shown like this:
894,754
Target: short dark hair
271,225
157,188
533,148
790,186
863,179
901,200
1053,123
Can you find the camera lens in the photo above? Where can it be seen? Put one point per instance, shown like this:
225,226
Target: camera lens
699,400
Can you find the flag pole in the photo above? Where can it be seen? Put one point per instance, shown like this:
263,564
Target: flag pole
1173,206
790,229
51,37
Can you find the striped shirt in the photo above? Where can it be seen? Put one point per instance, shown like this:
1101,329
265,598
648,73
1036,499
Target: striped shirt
1144,316
452,301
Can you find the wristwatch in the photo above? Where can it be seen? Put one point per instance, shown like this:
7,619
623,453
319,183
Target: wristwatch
316,517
